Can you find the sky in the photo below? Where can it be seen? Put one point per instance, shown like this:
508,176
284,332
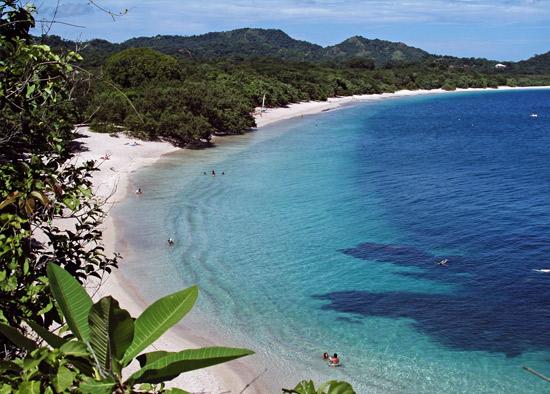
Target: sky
494,29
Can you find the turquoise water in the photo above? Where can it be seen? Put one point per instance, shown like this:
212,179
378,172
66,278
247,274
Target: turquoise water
324,232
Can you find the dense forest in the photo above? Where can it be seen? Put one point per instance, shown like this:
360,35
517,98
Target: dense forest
186,89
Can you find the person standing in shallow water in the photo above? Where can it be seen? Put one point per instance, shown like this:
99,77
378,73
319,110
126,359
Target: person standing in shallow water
213,173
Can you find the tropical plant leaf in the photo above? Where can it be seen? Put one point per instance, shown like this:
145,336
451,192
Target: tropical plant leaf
304,387
72,299
17,338
336,387
111,332
158,318
50,338
91,386
147,358
84,365
63,379
173,364
29,387
75,349
175,390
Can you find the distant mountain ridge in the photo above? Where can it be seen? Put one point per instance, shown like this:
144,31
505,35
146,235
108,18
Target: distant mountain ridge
244,43
250,43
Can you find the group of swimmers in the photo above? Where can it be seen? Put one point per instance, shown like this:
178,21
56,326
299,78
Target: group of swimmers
213,173
333,361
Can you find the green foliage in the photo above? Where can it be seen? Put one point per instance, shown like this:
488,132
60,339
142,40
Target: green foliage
199,86
137,66
42,371
107,340
380,51
40,187
201,99
330,387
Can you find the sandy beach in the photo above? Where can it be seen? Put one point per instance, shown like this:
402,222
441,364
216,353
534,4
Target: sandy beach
119,157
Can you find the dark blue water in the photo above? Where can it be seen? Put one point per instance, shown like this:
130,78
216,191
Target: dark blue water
325,232
467,173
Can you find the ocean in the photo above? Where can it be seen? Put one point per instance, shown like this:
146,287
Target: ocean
325,231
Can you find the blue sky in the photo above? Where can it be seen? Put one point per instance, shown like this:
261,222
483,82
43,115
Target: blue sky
496,29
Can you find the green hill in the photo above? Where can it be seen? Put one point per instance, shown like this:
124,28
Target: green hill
249,44
241,43
538,64
382,52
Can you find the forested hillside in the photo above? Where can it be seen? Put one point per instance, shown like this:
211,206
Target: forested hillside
254,43
157,96
241,43
186,89
535,65
247,44
380,51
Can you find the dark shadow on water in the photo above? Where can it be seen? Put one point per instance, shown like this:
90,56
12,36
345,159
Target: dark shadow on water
491,310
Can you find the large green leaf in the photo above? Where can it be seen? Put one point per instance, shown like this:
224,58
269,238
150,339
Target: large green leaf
147,358
30,387
63,379
336,387
75,348
330,387
304,387
111,332
173,364
50,338
158,318
17,338
91,386
72,299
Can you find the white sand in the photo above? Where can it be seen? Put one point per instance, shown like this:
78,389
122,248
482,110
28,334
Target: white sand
112,182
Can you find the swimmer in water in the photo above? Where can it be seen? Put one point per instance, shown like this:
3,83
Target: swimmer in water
334,361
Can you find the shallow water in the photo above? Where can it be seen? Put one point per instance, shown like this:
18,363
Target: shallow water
324,233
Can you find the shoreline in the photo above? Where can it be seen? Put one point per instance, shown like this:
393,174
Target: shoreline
114,181
112,185
273,115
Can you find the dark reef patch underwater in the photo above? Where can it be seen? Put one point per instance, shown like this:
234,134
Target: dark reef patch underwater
487,312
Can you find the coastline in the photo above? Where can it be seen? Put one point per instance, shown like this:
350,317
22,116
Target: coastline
113,181
111,186
272,115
